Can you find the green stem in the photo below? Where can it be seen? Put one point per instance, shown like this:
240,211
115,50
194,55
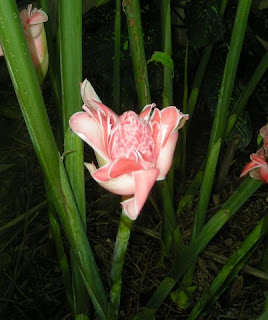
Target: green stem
117,56
234,263
206,189
32,106
198,81
120,249
172,237
188,255
63,261
132,10
167,95
70,40
264,315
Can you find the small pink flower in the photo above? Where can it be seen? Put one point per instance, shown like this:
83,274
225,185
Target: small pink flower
32,22
258,166
135,150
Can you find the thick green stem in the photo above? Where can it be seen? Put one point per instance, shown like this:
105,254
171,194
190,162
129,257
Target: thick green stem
33,109
70,44
264,315
172,237
63,261
117,57
167,95
188,255
118,259
132,10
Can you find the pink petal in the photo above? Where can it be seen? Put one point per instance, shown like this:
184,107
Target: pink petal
260,160
123,166
94,104
156,117
105,122
146,112
87,90
263,173
264,132
250,166
165,156
123,185
88,129
91,99
24,16
38,17
144,181
116,168
171,119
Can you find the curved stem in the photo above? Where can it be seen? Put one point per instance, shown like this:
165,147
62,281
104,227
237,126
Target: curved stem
120,249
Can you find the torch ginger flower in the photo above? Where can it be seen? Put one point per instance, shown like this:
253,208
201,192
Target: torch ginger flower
136,149
32,22
258,166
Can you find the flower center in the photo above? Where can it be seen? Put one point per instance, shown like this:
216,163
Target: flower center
131,138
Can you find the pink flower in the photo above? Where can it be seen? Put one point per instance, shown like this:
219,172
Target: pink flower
32,22
258,166
135,150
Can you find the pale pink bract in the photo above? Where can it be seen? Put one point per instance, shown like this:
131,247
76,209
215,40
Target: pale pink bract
258,166
133,150
32,22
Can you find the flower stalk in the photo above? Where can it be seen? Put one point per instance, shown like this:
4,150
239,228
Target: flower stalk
118,259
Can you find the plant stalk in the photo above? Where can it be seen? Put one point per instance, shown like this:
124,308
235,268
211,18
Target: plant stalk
118,259
133,15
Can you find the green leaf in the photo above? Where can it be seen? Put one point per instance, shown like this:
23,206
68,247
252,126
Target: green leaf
100,2
262,94
163,58
204,23
6,166
243,128
181,298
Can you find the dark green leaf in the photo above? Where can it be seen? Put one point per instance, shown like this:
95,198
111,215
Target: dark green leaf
204,23
243,126
262,94
258,20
